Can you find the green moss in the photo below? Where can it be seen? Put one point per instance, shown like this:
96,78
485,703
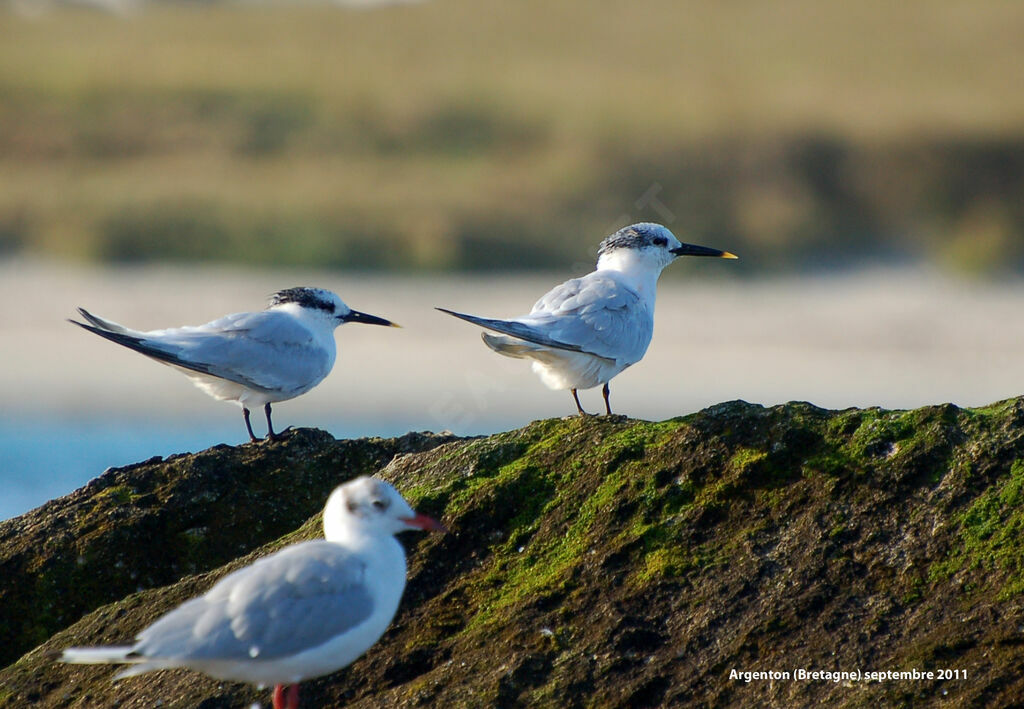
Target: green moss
543,563
587,554
119,494
746,457
838,522
665,561
834,463
915,594
998,410
879,432
659,563
537,558
990,533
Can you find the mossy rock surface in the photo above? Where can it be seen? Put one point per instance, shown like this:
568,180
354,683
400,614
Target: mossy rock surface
596,562
150,524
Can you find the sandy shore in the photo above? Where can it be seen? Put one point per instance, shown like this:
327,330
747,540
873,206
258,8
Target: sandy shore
895,339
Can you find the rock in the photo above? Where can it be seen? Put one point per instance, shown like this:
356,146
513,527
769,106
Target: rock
150,524
591,562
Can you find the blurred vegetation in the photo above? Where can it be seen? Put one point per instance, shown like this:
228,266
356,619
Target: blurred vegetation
476,134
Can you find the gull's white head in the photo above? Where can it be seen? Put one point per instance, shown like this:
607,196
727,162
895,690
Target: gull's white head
372,507
322,305
647,246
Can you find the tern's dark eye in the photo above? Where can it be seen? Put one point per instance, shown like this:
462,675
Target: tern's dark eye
380,504
660,241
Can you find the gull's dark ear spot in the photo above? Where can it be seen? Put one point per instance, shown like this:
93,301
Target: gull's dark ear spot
352,506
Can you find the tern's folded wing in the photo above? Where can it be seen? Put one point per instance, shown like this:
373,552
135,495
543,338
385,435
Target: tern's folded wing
597,313
515,329
291,601
265,351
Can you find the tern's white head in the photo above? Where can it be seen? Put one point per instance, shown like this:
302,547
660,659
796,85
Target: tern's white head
371,507
321,305
647,247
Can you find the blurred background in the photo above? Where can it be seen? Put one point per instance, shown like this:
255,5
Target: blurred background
164,163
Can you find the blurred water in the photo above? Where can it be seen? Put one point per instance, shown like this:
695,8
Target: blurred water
41,459
45,458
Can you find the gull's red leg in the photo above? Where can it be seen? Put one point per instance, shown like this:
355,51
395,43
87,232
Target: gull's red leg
286,696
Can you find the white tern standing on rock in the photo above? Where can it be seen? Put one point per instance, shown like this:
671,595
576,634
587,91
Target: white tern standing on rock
587,330
254,359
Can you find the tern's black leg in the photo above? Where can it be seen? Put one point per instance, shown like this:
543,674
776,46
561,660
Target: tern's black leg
576,398
271,436
248,426
607,406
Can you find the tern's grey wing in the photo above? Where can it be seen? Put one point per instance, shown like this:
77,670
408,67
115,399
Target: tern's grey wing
597,313
291,601
265,351
515,329
137,342
269,348
108,325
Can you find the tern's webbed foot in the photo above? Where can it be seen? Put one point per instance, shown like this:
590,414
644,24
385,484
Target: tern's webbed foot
281,435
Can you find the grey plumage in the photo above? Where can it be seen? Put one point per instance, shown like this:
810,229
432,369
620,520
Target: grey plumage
584,332
305,611
588,315
292,601
209,349
516,329
255,358
635,236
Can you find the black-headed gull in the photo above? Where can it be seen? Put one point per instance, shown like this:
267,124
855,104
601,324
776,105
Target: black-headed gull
254,359
305,611
587,330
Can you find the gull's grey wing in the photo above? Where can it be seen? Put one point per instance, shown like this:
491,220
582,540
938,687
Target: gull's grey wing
597,313
285,603
515,329
246,348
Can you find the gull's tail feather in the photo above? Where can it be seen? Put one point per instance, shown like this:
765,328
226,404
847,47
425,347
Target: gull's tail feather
515,329
96,655
139,668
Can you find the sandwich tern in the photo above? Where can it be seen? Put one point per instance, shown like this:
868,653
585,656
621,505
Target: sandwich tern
254,359
303,612
587,330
